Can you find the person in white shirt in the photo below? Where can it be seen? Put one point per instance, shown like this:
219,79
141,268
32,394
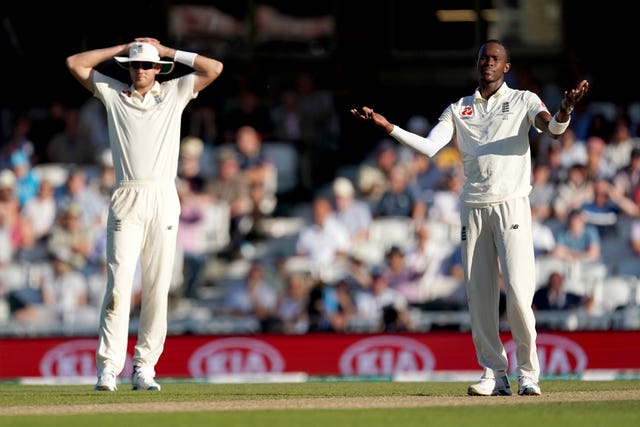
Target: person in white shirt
492,130
144,120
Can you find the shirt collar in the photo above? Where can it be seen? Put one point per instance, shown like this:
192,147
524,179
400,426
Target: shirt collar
154,90
501,91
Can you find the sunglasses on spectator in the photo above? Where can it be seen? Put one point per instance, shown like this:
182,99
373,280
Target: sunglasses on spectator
144,65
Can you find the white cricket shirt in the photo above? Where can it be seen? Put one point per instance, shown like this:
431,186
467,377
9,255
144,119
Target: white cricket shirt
493,139
144,132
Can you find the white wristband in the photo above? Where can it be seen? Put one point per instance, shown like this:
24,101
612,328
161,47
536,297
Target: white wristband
556,127
186,58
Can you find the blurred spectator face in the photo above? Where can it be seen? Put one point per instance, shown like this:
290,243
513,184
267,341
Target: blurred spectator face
248,140
556,281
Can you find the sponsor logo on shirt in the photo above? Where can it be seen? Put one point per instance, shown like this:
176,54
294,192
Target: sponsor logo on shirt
466,112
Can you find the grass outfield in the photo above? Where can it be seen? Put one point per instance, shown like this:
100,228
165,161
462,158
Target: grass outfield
564,403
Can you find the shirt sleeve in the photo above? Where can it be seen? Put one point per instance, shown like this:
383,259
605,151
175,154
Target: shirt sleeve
439,136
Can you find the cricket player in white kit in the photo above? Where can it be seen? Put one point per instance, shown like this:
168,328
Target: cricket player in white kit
144,119
492,127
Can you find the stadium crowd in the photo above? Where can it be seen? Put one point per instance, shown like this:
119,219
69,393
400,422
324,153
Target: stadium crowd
269,243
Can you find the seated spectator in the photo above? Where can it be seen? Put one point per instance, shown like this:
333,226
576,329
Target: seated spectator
340,305
189,168
292,304
203,231
253,296
259,172
325,241
572,193
608,204
230,187
41,213
350,211
383,306
578,241
543,192
445,207
400,199
554,296
70,235
401,276
27,182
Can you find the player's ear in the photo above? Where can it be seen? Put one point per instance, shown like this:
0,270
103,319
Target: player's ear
507,67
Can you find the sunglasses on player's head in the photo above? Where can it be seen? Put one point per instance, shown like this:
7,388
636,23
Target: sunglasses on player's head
144,65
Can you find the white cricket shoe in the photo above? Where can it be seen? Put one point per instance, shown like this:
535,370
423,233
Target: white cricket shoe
143,379
107,380
528,387
491,387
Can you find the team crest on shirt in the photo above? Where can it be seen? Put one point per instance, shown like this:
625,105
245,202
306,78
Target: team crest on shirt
466,112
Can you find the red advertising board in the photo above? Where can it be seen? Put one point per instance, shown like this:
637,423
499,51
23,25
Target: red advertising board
359,355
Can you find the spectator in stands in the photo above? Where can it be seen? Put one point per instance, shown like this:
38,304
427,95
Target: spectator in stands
425,176
229,187
383,306
71,236
258,170
373,177
445,207
254,297
573,193
41,212
287,117
554,296
203,230
627,179
325,241
543,192
340,305
350,210
19,142
292,304
27,182
573,151
77,190
105,182
402,277
597,165
620,144
577,241
20,229
189,167
607,206
400,199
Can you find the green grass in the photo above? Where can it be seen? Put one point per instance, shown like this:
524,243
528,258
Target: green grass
573,412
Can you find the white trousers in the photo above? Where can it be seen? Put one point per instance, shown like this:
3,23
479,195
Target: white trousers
497,245
142,226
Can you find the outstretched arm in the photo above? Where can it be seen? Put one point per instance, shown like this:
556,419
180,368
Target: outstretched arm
438,137
557,124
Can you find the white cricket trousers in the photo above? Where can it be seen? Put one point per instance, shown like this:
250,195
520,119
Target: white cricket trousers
142,225
497,239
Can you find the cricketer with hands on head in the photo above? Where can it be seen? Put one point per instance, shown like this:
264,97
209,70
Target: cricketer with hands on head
144,118
492,128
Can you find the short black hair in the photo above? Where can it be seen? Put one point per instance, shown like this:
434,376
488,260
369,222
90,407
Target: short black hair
496,41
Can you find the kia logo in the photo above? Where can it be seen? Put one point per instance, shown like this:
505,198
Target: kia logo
75,358
386,355
235,356
557,355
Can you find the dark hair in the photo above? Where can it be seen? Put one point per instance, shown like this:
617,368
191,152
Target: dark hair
496,41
